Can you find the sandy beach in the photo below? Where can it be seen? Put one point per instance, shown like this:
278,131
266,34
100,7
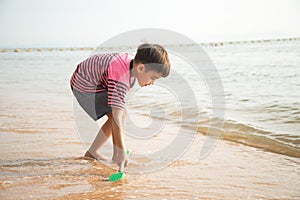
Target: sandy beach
58,171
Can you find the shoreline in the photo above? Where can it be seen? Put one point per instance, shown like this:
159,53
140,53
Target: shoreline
230,171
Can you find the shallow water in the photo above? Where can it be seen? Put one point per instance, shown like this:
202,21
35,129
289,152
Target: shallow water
41,149
261,89
228,172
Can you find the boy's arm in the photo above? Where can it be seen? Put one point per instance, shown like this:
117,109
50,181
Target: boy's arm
118,139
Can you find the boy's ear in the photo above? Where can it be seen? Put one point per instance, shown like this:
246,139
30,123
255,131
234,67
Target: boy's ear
141,67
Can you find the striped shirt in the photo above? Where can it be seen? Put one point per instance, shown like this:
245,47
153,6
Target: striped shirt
105,73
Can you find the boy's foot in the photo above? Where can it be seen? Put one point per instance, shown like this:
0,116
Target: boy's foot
95,156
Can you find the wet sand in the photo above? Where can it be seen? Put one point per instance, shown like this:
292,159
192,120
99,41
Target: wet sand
50,166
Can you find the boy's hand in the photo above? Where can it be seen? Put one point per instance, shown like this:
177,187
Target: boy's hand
120,158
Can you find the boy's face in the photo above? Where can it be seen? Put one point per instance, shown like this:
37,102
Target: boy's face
147,77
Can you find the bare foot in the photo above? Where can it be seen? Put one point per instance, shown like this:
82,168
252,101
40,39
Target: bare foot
95,156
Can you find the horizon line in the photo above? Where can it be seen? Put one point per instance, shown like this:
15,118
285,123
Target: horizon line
83,48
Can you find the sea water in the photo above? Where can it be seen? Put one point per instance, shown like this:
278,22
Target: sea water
261,89
40,146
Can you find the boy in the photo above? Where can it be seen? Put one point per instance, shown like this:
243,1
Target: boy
101,82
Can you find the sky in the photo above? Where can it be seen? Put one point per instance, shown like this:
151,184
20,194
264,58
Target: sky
67,23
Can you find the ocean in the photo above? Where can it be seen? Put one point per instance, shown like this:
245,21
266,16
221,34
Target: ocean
261,84
39,132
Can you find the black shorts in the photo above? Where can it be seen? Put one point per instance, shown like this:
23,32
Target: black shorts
94,104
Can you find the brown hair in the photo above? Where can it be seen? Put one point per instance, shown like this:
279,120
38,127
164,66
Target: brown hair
154,57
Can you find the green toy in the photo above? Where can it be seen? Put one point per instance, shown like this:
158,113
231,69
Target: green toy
121,174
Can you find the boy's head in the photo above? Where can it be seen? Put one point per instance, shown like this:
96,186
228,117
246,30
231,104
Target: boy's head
152,62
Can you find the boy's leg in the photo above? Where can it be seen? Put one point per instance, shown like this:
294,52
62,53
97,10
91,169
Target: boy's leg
103,135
